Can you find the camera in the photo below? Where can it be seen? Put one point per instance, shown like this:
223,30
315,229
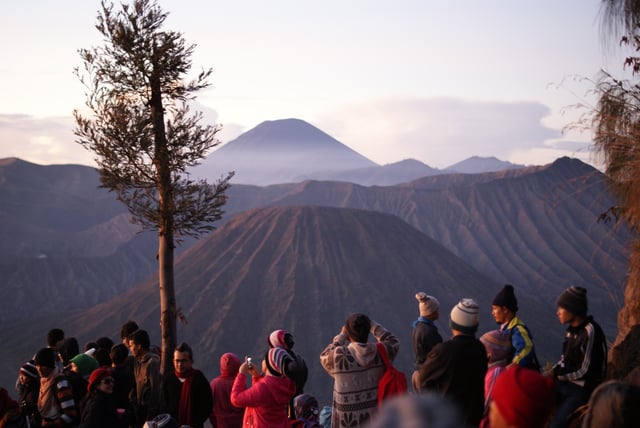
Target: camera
249,361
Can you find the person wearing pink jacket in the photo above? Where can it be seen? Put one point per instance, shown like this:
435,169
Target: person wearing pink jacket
266,401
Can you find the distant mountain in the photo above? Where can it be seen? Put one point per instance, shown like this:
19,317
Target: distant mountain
303,269
386,175
280,151
477,165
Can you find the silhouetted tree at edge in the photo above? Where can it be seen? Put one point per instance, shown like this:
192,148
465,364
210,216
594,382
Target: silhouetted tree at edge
616,127
145,137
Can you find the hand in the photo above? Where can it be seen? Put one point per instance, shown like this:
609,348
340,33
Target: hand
244,368
254,371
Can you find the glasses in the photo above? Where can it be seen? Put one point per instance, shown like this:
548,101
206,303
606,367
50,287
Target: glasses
181,361
107,381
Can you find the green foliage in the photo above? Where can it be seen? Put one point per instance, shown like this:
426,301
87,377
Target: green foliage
141,129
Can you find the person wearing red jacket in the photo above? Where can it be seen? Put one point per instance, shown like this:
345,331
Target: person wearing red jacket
224,414
266,401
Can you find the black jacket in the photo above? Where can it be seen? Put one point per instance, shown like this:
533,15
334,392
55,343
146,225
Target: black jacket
456,369
201,398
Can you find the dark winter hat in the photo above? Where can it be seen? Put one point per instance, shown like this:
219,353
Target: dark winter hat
358,327
497,344
464,316
97,376
45,357
29,369
281,339
523,396
574,300
507,298
306,406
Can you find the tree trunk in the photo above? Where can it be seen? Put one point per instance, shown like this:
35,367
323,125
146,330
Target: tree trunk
165,229
625,355
167,300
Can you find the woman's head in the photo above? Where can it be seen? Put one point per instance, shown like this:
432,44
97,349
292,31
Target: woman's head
102,380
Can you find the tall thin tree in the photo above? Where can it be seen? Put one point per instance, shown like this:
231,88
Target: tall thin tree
145,137
616,127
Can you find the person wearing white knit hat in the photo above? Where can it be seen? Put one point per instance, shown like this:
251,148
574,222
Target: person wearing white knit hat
456,368
425,333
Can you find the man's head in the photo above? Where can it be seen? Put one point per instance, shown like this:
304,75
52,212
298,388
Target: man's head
464,317
127,330
45,362
428,306
183,358
504,305
358,327
54,336
572,305
119,354
139,342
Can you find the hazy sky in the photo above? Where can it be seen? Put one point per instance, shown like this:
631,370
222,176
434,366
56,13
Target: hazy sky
431,80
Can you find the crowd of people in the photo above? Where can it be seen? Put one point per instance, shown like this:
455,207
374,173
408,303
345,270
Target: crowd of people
495,380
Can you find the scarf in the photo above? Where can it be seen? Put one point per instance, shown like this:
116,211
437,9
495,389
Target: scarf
422,320
184,407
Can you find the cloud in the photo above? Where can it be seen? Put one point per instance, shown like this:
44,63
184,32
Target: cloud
42,140
443,131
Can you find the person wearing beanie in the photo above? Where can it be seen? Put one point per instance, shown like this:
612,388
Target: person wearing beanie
77,373
456,368
186,394
224,414
84,365
356,368
498,346
425,334
522,398
266,401
297,369
99,407
504,308
583,363
29,384
56,404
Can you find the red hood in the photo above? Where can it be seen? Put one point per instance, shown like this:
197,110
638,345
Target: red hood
229,364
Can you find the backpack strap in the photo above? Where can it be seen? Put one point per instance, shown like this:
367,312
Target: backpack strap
382,350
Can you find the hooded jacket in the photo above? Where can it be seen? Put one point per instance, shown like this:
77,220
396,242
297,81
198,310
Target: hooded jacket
356,369
224,414
266,401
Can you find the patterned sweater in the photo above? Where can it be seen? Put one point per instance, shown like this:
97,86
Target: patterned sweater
55,401
356,369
